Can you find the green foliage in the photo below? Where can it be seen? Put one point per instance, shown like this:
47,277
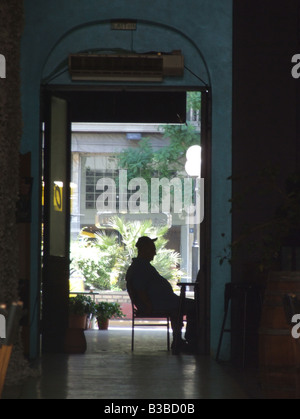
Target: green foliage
95,260
105,310
81,305
104,261
194,101
166,261
143,161
167,162
138,161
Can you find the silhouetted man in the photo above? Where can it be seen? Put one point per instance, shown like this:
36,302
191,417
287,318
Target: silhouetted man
153,293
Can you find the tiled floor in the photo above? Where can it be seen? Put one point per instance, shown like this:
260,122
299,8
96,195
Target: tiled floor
109,370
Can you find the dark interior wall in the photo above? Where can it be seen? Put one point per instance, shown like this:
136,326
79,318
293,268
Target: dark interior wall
265,124
265,102
202,29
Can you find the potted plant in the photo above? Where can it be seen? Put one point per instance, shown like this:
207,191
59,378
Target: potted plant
104,311
80,308
90,311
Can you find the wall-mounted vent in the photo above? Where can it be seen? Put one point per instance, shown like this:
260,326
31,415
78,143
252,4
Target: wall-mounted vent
127,67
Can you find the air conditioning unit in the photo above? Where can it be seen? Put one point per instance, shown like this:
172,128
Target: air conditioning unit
126,67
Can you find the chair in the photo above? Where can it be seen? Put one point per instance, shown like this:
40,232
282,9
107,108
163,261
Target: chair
239,291
149,314
12,327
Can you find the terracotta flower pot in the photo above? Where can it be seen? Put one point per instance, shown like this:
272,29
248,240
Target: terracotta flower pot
103,324
77,321
75,341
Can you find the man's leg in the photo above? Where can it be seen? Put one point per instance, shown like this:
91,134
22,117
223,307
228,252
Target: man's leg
176,316
191,326
177,325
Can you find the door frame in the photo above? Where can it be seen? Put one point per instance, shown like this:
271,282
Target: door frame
204,274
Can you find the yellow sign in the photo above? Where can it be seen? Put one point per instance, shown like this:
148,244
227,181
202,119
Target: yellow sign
58,196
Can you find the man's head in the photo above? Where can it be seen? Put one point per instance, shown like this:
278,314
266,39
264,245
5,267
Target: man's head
146,247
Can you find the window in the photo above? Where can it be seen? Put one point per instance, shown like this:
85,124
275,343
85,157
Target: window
91,179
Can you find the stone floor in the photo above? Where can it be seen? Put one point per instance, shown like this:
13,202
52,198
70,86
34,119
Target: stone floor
110,371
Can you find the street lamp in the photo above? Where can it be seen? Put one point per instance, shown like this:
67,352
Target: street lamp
193,169
193,161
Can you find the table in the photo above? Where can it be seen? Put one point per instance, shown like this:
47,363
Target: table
85,293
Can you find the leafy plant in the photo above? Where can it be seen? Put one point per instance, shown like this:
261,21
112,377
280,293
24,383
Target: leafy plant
105,310
95,260
167,162
81,305
166,261
146,162
105,260
194,101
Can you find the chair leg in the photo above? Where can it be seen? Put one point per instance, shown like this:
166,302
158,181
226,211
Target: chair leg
176,338
168,333
221,335
132,333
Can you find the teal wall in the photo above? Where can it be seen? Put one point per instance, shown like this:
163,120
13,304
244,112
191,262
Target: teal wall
202,29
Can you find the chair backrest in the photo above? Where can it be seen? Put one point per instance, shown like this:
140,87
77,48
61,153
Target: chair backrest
139,300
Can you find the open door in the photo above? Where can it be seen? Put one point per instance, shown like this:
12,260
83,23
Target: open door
55,273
